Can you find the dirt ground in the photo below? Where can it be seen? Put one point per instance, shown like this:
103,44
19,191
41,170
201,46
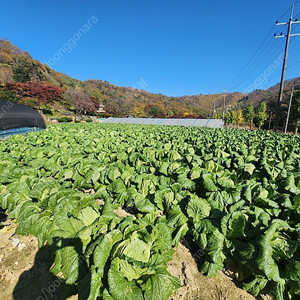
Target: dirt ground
195,286
24,273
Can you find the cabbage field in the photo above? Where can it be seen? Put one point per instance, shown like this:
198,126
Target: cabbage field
116,200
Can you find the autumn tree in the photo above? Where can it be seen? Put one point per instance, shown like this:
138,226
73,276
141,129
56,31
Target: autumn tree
81,101
249,114
8,52
5,75
5,58
190,116
43,91
237,117
119,107
7,47
261,114
138,110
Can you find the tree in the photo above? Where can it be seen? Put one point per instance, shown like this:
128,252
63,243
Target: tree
237,117
218,116
154,110
8,96
5,74
5,58
45,92
249,114
22,69
261,115
7,47
119,107
138,110
81,101
32,102
170,113
295,111
190,116
228,118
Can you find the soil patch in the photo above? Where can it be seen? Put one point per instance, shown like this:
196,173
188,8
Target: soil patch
195,286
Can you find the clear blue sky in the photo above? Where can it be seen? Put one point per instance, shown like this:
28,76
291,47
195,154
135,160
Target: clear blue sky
176,47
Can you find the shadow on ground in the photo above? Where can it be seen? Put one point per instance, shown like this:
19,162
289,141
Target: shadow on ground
39,283
3,217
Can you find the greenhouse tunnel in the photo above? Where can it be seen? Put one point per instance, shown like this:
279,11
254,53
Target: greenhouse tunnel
19,119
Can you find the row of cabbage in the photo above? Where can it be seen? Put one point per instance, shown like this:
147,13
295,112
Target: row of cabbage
115,200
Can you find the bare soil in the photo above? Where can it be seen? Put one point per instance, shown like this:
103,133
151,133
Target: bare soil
195,286
24,270
24,273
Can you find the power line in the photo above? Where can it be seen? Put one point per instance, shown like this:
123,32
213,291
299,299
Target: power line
270,39
264,63
264,56
296,2
250,68
296,63
253,56
244,71
268,58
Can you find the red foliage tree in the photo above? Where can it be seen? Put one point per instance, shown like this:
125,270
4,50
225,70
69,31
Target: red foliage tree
45,92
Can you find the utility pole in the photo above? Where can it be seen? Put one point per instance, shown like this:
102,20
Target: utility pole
224,104
289,110
288,36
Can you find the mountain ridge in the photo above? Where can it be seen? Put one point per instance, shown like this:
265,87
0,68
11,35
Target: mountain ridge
17,66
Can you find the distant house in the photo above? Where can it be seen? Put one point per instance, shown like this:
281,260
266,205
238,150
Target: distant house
101,109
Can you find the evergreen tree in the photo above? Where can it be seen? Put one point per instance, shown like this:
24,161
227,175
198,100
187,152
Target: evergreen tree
249,114
23,69
228,118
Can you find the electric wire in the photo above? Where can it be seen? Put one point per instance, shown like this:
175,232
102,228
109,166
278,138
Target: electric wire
262,56
264,64
259,63
269,65
250,61
267,58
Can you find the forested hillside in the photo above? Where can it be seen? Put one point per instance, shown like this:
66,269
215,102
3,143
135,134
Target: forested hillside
28,81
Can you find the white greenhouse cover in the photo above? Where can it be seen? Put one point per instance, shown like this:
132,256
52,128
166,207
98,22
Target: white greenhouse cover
211,123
